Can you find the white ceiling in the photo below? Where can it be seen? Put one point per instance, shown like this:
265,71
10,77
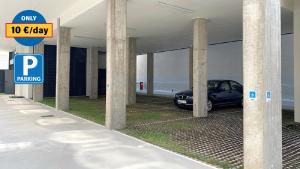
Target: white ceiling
157,24
10,8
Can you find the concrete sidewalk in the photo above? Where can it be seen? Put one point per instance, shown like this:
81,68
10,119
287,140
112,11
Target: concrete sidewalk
34,136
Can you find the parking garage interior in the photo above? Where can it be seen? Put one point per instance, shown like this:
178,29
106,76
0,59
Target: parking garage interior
164,49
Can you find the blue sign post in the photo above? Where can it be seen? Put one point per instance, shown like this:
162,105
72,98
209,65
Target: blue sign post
29,69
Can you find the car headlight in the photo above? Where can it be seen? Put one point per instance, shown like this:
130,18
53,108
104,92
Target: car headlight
189,97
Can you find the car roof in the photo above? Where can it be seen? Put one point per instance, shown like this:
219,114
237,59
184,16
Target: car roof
222,80
218,80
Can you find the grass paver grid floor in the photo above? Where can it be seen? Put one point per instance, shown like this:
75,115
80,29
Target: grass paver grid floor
217,139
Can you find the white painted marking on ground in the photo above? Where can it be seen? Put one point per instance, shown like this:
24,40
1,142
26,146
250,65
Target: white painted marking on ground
14,146
55,121
34,111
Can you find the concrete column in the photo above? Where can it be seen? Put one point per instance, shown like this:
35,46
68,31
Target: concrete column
116,52
297,60
150,72
63,67
130,64
18,90
38,90
24,90
200,68
92,71
191,68
262,74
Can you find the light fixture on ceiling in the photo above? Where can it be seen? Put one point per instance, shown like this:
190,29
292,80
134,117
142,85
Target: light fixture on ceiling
176,7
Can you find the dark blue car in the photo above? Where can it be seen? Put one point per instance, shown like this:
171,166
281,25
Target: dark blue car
220,93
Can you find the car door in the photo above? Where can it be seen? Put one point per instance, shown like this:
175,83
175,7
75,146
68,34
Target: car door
223,94
237,91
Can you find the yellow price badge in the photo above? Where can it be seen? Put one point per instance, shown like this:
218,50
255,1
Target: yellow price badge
29,30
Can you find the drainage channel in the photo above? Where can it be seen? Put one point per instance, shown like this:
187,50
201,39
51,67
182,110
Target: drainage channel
47,116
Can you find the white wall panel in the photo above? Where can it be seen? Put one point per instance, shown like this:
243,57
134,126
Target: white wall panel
141,71
287,61
171,71
225,61
4,62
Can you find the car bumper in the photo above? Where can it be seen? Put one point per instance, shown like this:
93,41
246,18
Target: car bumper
187,105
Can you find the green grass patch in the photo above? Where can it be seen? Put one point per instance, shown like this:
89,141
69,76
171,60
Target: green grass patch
164,140
183,125
93,110
146,116
49,101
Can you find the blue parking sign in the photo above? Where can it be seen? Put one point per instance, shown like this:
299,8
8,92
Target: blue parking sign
252,95
29,69
268,96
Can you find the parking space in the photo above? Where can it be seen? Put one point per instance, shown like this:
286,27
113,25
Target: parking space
217,140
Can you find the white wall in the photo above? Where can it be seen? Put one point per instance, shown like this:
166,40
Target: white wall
287,62
224,62
4,61
171,69
171,73
141,72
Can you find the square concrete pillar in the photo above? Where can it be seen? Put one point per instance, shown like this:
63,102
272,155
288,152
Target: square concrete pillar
191,68
92,72
116,52
150,72
18,90
262,84
63,67
200,68
38,89
297,60
130,64
24,90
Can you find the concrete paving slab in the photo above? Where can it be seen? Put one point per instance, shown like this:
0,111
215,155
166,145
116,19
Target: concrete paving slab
34,136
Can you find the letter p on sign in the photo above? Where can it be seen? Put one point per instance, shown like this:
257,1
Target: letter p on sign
29,69
27,65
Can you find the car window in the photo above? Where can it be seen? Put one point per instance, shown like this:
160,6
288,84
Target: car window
225,86
235,85
212,85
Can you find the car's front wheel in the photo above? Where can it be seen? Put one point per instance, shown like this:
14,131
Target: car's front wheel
209,105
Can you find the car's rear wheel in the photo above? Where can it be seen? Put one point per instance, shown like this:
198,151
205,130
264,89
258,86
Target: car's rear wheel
209,105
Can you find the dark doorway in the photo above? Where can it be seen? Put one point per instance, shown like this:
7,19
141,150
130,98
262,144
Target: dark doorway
77,71
2,80
50,70
102,82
